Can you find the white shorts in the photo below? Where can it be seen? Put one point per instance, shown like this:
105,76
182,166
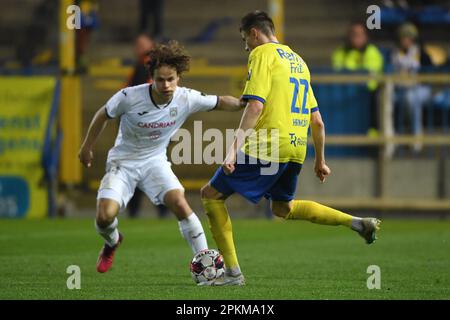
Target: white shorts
154,177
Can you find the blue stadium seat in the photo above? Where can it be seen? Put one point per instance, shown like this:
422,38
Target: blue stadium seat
345,109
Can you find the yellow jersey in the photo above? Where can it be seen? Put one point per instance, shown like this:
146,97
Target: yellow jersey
280,79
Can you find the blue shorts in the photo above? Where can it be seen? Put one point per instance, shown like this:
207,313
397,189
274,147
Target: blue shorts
248,181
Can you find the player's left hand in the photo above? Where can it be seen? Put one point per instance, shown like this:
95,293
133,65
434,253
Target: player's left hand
86,155
230,161
322,171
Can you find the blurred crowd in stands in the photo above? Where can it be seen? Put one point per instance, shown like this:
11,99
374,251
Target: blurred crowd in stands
409,56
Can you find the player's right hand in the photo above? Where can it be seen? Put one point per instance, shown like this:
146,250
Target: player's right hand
229,162
228,168
86,155
322,171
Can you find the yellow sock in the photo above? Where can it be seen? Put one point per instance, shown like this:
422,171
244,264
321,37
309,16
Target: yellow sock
221,229
317,213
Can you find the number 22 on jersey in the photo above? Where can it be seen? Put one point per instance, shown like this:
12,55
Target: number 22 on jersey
297,84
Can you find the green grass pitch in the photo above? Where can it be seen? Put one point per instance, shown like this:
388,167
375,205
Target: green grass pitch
280,259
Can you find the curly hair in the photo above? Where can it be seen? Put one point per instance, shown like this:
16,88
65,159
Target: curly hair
171,54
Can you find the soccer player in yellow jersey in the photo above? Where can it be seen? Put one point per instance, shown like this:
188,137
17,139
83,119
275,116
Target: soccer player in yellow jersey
281,104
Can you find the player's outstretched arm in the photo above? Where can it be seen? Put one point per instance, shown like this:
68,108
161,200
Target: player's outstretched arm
318,135
97,125
229,103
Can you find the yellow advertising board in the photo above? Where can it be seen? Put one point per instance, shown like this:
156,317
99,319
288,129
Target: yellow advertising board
25,108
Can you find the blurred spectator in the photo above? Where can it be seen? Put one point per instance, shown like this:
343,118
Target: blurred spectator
89,22
410,97
32,46
155,10
357,54
143,45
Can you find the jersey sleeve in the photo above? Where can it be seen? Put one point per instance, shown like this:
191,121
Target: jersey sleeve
116,105
259,77
199,101
311,101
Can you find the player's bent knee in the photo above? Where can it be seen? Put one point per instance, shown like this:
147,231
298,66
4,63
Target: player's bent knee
208,192
107,210
281,209
280,212
179,203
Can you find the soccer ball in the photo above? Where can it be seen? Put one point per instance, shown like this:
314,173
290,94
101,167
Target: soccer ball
207,265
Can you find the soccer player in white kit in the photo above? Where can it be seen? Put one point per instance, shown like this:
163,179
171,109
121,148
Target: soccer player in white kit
150,114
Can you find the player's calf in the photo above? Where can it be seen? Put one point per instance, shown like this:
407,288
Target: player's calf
280,208
106,222
208,192
320,214
220,226
106,225
190,226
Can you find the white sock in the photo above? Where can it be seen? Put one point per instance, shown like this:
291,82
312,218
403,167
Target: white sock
191,229
110,233
357,224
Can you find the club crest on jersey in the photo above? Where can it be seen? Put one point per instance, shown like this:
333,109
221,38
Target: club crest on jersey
173,112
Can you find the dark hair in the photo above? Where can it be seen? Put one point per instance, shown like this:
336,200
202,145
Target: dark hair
171,54
259,20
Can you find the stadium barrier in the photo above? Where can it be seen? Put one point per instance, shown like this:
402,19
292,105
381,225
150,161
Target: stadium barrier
30,142
384,143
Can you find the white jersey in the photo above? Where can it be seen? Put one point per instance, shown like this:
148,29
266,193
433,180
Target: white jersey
146,128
